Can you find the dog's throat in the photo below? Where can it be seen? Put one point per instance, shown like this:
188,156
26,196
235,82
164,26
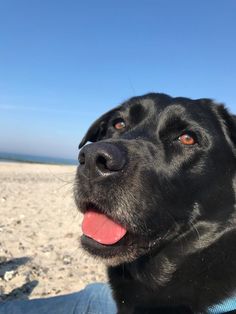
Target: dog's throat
101,228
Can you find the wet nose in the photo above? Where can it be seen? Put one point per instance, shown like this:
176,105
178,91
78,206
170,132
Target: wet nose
101,159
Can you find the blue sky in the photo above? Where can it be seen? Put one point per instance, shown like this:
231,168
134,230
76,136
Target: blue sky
65,62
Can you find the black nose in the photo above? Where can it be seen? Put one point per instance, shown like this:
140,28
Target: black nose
101,159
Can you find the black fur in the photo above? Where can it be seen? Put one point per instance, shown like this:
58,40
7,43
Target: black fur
177,202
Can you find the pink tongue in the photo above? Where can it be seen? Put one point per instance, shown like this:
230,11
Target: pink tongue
101,228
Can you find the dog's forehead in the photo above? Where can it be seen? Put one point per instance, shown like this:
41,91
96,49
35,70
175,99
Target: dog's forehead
160,111
188,110
160,108
137,104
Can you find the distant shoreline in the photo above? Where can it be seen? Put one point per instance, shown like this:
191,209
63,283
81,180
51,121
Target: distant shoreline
11,157
12,161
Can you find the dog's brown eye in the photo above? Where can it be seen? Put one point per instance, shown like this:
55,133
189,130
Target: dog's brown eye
119,124
187,139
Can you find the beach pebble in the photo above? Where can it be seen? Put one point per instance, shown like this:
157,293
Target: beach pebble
9,275
67,259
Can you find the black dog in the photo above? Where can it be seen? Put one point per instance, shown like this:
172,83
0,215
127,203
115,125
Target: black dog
157,188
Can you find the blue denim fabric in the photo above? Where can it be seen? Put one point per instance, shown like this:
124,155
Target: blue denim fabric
227,306
94,299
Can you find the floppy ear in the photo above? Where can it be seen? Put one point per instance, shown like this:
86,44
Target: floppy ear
229,123
233,130
234,118
98,129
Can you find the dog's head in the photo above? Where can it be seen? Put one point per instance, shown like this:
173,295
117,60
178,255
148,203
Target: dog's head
156,166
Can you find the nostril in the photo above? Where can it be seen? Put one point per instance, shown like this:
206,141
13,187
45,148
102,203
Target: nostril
81,158
109,162
101,163
99,159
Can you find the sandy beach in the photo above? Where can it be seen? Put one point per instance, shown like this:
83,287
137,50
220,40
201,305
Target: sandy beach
40,253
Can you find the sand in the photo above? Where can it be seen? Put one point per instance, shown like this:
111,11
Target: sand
40,253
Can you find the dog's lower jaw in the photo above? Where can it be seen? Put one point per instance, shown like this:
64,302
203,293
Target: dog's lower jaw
125,251
112,261
117,260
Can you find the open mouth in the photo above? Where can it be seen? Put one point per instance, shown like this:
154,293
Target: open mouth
101,228
108,238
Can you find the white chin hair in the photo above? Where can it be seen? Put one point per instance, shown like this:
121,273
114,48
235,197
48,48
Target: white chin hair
117,260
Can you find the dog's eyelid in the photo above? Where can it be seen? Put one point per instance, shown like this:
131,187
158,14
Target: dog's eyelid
189,132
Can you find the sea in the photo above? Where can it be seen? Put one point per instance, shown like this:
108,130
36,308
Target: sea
36,159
